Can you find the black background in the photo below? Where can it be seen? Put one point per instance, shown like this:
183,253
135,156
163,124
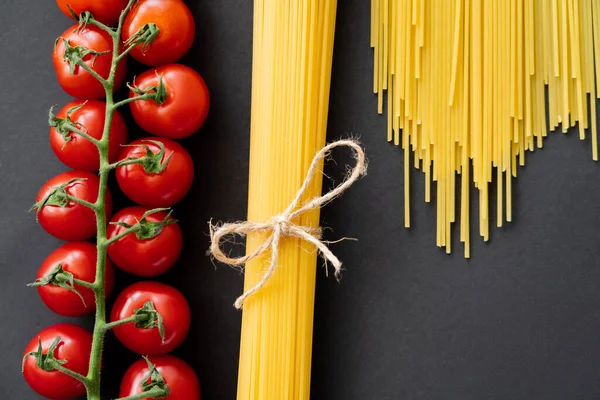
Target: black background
518,321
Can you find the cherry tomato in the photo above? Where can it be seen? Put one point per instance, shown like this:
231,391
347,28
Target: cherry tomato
75,346
156,189
176,30
144,257
82,84
185,108
105,11
169,303
79,259
178,375
78,152
69,220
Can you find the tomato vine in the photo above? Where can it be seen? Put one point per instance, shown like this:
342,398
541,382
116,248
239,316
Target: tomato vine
147,317
93,379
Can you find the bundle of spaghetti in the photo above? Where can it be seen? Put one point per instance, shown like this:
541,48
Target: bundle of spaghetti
292,59
466,92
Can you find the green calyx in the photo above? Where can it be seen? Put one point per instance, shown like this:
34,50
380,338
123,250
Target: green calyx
75,55
148,318
157,93
60,278
58,197
64,126
84,18
152,163
144,229
45,361
145,36
154,381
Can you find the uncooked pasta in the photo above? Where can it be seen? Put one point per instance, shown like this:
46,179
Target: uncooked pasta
292,58
467,84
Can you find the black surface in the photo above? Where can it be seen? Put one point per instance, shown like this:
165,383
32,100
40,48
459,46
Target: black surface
518,321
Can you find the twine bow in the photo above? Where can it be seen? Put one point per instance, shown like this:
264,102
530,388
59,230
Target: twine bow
282,226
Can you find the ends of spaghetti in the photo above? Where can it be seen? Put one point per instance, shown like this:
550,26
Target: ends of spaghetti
466,91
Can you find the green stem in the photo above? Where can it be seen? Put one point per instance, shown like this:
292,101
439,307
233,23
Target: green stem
99,284
100,25
84,203
84,284
125,52
72,374
151,394
63,278
82,134
121,235
100,79
100,326
147,96
120,322
126,162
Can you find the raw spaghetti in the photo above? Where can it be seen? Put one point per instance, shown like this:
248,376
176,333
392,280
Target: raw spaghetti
291,75
466,88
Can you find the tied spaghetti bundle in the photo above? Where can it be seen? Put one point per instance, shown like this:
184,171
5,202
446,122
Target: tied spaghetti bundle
466,88
292,58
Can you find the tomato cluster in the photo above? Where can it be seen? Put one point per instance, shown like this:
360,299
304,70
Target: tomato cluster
170,101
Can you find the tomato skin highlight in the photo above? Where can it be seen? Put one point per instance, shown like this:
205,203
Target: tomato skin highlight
81,84
75,347
179,376
74,222
176,25
171,305
80,153
105,11
78,258
156,190
185,108
149,257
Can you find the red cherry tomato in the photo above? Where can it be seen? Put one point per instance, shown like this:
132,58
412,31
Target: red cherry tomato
176,28
144,257
78,152
78,258
105,11
75,346
162,189
185,108
81,84
169,303
74,221
178,375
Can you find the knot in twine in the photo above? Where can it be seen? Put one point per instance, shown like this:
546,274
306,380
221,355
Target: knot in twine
282,225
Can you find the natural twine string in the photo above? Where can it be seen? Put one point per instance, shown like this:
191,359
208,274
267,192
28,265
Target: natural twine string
282,226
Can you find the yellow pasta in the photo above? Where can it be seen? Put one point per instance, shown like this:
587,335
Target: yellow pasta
292,58
466,92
